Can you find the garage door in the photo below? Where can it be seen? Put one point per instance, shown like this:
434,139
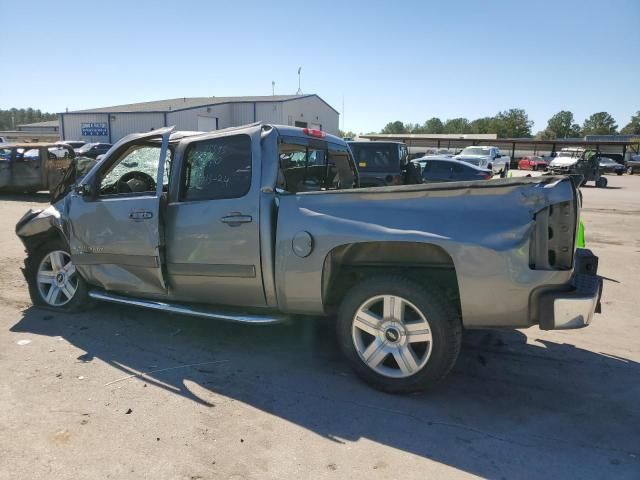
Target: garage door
207,124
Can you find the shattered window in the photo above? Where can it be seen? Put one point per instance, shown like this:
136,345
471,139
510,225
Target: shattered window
137,162
217,168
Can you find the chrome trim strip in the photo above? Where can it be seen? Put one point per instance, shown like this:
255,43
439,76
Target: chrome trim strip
146,261
186,310
211,270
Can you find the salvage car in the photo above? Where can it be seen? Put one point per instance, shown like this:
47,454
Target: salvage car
608,165
633,164
31,167
436,168
533,163
92,150
258,223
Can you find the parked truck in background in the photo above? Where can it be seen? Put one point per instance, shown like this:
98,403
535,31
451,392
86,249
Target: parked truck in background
257,223
486,157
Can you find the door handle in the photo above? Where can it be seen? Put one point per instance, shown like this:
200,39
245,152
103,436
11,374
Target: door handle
236,219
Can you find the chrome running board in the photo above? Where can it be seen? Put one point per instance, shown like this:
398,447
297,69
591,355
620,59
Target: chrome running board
186,310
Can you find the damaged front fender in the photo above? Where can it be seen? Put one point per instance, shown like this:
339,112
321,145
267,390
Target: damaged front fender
37,226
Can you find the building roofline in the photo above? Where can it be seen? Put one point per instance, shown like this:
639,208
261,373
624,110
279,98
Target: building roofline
265,99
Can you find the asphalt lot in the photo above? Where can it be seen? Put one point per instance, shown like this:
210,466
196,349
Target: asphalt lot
230,401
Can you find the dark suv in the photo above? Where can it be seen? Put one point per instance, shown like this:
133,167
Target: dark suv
383,163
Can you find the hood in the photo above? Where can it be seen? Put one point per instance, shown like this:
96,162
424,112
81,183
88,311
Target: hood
563,161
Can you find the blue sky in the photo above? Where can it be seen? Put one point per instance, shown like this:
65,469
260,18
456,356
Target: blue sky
389,60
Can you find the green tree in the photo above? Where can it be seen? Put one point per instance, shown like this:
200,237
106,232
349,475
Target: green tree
394,127
456,125
562,125
348,133
633,127
434,126
513,123
482,125
601,123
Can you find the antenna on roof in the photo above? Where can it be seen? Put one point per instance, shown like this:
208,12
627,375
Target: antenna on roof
299,92
273,87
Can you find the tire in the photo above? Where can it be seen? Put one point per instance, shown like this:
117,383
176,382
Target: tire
41,261
601,182
434,325
619,172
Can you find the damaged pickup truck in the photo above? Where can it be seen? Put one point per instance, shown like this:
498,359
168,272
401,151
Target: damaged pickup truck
257,223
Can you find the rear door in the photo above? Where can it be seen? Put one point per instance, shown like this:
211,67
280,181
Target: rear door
212,222
27,168
115,237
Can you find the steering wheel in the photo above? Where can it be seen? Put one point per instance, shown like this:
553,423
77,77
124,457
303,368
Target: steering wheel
135,182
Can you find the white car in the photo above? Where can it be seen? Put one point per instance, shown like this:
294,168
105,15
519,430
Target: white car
566,158
488,157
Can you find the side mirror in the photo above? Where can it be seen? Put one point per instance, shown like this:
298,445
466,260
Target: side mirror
81,189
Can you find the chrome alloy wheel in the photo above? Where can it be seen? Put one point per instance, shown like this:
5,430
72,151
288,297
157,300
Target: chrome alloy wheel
392,336
57,278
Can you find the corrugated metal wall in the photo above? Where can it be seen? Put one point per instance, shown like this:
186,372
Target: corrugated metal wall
242,113
73,126
306,109
311,110
188,119
269,112
122,124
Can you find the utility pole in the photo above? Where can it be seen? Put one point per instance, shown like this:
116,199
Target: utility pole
343,113
273,87
299,92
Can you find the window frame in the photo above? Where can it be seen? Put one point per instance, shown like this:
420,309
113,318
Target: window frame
181,187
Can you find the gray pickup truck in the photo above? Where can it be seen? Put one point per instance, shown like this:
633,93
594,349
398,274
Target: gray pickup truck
258,223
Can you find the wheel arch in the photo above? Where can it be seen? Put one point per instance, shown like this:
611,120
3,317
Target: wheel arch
424,263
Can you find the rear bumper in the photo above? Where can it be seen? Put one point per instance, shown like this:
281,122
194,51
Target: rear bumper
574,305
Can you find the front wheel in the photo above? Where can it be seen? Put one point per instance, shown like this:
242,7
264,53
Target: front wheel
53,280
397,335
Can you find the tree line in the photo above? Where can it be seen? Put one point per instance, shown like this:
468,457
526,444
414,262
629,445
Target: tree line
515,123
9,119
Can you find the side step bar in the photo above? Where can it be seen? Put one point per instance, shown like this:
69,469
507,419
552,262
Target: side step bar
186,310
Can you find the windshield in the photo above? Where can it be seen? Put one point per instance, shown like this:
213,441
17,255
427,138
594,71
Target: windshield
475,151
376,157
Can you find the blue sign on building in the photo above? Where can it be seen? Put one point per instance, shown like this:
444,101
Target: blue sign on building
94,129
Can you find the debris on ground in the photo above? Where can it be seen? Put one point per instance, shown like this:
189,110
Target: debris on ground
23,342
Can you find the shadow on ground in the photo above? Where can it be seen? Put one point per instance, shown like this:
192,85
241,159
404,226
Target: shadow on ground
509,409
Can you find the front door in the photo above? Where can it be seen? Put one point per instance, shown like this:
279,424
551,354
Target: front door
212,223
115,233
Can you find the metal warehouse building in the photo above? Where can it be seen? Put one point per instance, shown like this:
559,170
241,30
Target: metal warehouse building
110,124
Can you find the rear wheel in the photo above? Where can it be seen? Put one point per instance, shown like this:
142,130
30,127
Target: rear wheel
53,280
601,182
397,335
